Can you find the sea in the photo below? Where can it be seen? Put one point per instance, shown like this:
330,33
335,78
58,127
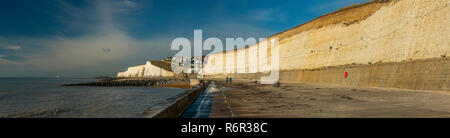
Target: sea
47,98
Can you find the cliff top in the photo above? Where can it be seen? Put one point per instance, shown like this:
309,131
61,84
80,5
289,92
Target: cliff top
347,15
164,64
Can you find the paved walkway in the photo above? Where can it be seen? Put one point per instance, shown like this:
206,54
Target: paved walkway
247,99
201,107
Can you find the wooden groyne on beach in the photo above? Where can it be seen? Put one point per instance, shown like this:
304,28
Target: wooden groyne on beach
129,82
194,88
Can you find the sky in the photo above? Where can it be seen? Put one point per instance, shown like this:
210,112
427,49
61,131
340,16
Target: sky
88,38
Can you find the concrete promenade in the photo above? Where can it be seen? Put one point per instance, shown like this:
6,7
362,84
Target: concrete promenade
243,99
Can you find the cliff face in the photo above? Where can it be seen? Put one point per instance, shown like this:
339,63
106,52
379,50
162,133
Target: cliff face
136,71
374,33
400,31
150,69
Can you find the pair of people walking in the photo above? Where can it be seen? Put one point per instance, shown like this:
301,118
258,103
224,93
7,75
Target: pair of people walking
229,79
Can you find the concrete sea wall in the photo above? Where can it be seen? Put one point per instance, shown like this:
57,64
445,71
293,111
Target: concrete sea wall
179,105
432,74
385,43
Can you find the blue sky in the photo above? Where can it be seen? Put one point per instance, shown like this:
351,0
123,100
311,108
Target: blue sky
84,38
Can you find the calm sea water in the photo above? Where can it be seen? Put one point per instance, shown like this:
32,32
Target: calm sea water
45,97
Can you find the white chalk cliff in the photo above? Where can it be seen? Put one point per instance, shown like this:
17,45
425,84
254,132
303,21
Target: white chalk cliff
379,31
150,69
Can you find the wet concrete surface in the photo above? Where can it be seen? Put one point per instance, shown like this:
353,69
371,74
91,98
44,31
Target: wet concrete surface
244,99
201,107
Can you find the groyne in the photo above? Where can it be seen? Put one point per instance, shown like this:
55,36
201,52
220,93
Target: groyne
123,82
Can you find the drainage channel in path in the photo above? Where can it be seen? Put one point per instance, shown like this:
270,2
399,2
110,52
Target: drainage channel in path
201,107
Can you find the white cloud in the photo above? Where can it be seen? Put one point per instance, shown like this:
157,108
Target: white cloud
84,51
130,4
5,61
104,47
104,44
13,47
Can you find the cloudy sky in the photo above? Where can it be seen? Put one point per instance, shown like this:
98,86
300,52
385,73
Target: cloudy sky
85,38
